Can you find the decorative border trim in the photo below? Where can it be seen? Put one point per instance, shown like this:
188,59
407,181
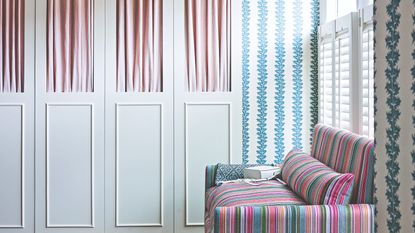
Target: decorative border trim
279,125
297,74
375,111
315,22
262,83
245,80
393,113
413,119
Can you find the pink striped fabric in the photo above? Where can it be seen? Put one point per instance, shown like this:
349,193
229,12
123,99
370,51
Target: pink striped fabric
70,47
139,46
207,41
346,152
12,45
267,193
314,181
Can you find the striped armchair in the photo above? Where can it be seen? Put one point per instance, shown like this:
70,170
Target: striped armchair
233,209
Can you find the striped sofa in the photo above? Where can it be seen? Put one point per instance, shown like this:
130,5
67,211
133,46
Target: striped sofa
272,207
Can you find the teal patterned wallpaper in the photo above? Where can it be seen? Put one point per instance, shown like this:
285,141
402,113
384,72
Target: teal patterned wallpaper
395,115
279,77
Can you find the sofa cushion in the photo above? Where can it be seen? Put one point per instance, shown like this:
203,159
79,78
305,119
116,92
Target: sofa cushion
346,152
226,172
314,181
265,193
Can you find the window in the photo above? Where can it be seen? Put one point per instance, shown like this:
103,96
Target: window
333,9
346,72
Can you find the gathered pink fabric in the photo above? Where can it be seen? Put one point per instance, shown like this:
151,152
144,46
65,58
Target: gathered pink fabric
11,46
207,32
70,46
139,46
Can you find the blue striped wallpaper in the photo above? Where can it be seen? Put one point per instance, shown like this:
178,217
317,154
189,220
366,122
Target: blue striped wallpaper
279,77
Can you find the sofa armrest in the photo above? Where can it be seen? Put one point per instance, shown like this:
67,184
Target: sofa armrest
356,218
210,174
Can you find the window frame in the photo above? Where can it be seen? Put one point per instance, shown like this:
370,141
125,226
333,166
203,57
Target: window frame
360,4
365,20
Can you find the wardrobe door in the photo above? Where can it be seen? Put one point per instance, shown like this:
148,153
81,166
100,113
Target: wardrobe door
16,116
139,116
207,100
70,77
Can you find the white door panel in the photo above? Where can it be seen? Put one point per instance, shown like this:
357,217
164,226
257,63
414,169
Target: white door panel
207,128
70,142
17,144
139,143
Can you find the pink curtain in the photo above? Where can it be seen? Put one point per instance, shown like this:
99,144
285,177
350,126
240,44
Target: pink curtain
139,45
207,45
12,45
70,46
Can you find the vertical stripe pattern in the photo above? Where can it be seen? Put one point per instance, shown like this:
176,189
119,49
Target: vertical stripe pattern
262,81
297,75
240,207
375,106
245,79
393,113
315,19
279,71
294,218
279,82
413,119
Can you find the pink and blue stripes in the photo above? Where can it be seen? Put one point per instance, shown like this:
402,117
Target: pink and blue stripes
357,218
346,152
314,181
266,193
234,208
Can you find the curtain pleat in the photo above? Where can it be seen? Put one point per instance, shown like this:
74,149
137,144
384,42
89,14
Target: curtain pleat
207,32
12,46
139,45
70,46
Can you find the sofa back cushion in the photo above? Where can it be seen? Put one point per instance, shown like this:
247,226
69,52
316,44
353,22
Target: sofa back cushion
346,152
314,181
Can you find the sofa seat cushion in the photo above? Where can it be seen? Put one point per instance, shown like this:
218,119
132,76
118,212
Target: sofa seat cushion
265,193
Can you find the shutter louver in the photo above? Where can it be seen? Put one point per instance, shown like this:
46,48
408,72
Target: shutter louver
326,81
342,82
367,82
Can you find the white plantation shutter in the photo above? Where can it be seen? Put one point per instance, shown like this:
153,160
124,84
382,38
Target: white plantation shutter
326,81
337,69
346,88
367,62
342,81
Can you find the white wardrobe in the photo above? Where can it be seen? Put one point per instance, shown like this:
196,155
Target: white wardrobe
112,132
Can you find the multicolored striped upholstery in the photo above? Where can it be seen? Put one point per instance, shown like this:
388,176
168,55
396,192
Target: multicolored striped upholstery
346,152
314,181
357,218
266,193
342,151
210,176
